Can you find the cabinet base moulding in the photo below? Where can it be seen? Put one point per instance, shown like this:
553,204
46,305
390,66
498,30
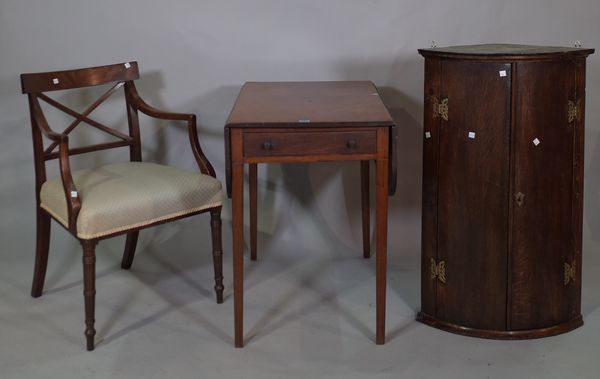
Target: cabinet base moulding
501,334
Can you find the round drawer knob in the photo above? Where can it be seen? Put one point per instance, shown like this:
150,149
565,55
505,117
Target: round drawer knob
351,144
267,145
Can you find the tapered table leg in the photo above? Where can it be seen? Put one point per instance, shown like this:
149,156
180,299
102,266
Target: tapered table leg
253,212
381,240
237,177
366,210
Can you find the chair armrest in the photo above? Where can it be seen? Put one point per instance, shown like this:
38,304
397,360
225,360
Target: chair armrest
137,103
71,195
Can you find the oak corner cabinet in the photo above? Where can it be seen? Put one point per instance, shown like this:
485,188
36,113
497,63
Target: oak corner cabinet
503,190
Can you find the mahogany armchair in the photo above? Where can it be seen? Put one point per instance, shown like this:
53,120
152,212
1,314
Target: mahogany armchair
114,199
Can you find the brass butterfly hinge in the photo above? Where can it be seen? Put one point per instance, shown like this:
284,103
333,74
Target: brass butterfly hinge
438,270
440,109
570,272
573,110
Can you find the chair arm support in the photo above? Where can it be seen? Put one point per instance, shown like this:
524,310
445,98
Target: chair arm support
71,195
136,101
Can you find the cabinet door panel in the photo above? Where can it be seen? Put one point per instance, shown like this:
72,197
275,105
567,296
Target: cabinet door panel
473,194
541,233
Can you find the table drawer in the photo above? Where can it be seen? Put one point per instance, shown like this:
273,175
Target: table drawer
313,143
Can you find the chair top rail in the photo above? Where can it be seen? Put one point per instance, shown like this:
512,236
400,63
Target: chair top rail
78,78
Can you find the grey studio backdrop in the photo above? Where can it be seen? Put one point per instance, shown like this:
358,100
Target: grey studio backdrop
194,56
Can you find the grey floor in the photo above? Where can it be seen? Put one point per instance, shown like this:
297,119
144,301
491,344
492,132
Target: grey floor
308,314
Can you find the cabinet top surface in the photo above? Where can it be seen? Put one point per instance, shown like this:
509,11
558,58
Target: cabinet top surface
493,50
309,104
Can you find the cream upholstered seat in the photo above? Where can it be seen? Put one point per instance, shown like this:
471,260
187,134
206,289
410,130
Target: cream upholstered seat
123,196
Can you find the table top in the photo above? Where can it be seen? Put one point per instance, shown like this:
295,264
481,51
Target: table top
309,104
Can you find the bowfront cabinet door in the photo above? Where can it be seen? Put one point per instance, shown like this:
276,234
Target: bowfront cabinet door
431,142
474,152
544,261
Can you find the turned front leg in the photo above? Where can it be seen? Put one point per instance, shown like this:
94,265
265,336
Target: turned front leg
215,225
89,289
